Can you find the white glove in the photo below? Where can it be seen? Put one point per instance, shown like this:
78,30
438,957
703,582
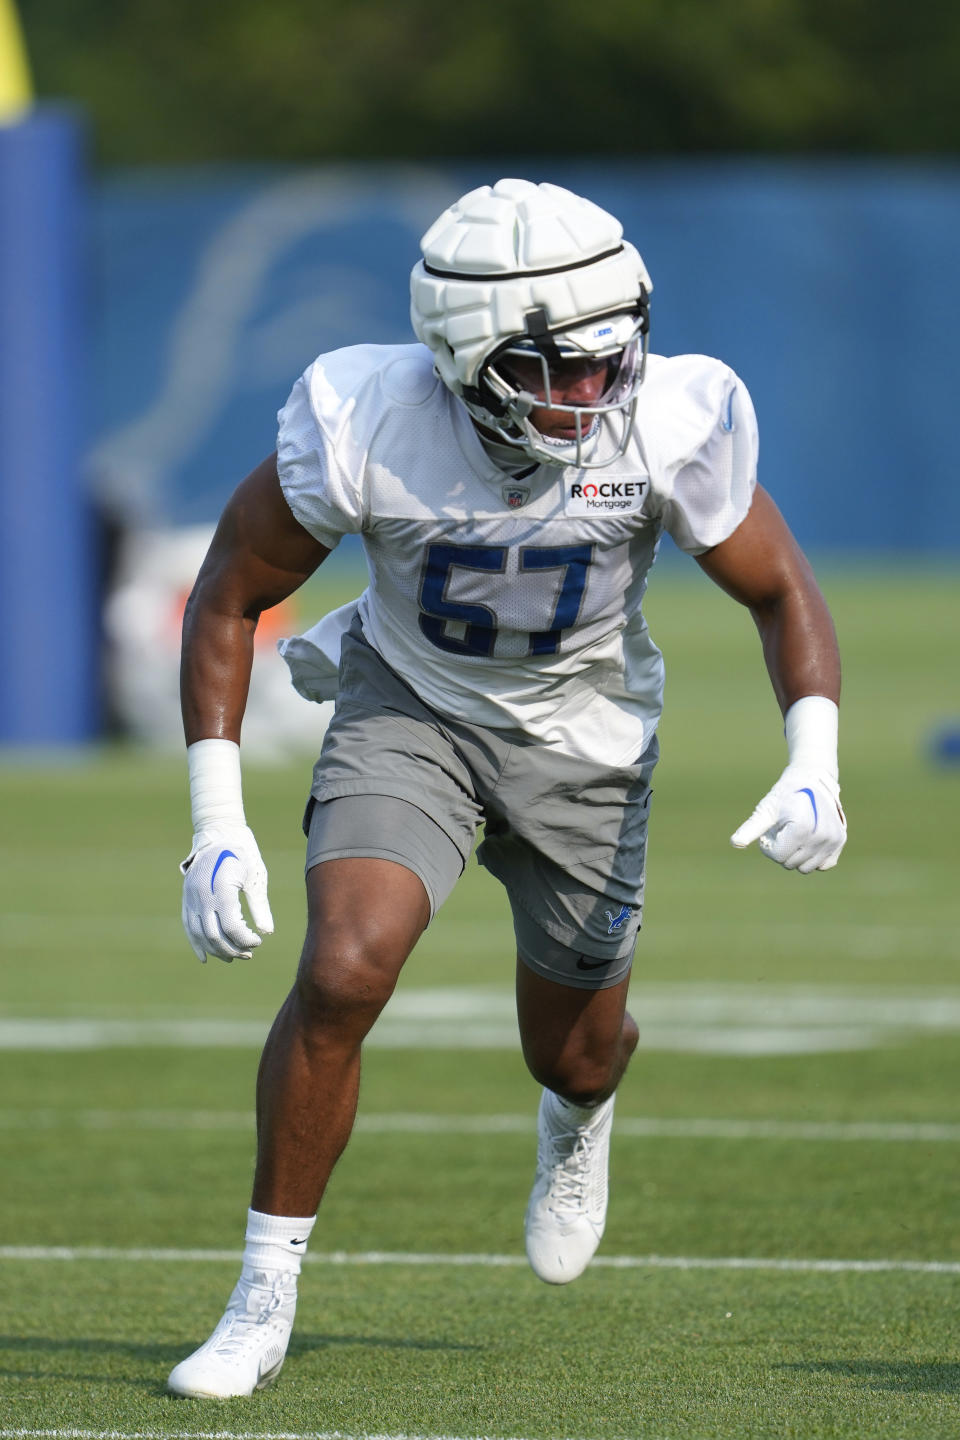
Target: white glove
800,823
222,863
224,860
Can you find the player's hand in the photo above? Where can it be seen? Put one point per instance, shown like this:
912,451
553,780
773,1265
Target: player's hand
799,823
224,862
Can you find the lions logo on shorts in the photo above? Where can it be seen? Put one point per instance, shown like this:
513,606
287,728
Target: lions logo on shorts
617,922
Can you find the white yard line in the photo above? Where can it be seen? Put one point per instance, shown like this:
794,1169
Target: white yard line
218,1435
732,1019
627,1127
491,1261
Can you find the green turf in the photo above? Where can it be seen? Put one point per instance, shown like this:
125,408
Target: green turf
89,927
474,1354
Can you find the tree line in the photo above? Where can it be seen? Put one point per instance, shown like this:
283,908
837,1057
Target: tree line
187,81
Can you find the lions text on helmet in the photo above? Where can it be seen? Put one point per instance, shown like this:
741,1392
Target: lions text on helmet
536,311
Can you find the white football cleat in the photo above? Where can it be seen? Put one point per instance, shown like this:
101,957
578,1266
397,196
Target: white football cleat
246,1350
568,1202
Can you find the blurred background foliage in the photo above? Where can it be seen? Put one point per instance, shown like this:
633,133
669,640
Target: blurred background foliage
308,80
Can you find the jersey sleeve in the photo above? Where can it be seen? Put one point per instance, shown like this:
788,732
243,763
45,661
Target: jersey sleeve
712,490
320,474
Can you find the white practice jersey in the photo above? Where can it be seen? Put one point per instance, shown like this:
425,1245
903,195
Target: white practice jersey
514,603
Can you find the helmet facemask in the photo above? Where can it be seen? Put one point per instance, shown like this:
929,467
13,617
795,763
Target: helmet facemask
535,372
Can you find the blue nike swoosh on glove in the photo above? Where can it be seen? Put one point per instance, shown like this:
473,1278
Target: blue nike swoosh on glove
805,791
229,855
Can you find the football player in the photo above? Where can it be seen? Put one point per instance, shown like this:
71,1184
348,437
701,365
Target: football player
510,477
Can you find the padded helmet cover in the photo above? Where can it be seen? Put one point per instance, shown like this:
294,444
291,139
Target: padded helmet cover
504,251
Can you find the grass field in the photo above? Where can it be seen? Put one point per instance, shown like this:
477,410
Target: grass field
782,1255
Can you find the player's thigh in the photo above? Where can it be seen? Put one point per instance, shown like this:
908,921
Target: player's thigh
396,831
363,919
377,868
383,743
573,864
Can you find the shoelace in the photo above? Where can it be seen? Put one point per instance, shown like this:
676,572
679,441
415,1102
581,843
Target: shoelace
244,1330
570,1170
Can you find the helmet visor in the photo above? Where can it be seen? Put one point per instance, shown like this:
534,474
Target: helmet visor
591,369
579,379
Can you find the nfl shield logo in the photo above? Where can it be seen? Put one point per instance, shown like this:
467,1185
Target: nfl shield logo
516,495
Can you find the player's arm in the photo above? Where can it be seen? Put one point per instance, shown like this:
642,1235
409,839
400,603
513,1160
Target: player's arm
799,823
259,555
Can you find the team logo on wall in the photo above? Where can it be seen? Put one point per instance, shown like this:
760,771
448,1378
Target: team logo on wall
516,495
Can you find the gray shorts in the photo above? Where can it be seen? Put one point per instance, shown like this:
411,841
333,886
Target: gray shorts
566,838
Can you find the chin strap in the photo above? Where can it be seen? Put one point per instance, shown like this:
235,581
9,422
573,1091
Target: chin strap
483,398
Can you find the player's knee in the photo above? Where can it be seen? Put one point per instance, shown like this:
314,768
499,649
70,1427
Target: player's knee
583,1067
583,1078
629,1035
345,977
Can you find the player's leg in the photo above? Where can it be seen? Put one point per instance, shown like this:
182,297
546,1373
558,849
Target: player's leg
577,1043
390,830
569,844
391,796
364,918
365,913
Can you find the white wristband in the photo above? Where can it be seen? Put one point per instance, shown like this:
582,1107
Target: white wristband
811,726
216,794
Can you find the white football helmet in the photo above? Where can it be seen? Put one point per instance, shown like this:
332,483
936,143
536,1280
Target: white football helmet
517,272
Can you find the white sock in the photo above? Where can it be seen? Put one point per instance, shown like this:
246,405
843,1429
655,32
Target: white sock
276,1242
